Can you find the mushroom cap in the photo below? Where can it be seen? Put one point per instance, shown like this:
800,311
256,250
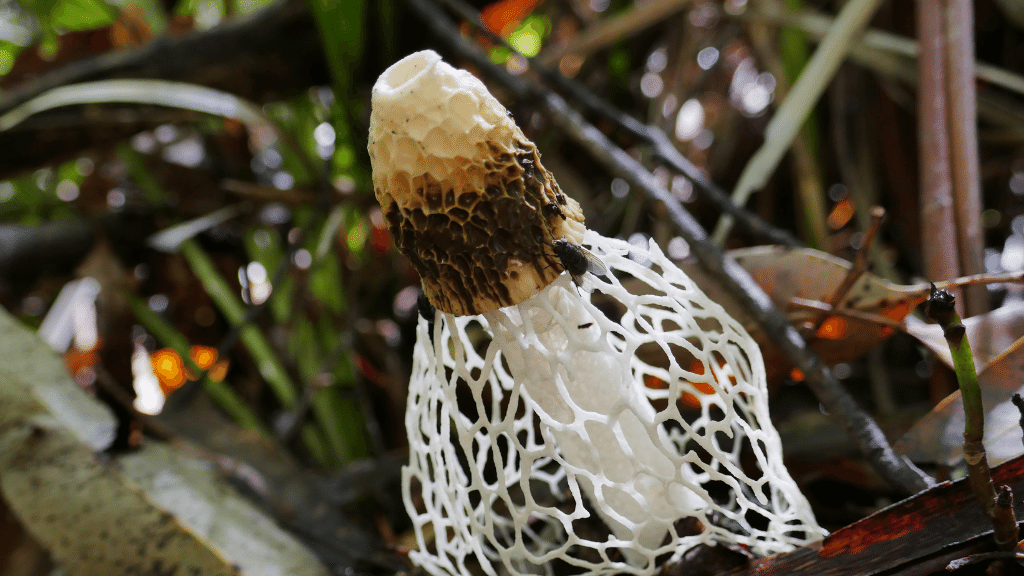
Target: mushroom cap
463,191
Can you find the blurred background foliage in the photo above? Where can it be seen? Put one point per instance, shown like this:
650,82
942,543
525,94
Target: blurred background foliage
237,244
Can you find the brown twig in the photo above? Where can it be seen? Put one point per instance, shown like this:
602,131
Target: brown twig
859,425
653,135
1004,520
961,118
823,308
612,30
982,279
860,266
938,222
947,132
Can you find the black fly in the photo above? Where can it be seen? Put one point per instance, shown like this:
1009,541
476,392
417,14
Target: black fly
552,209
577,260
427,310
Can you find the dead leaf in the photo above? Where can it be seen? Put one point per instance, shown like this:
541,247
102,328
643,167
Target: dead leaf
990,334
152,512
296,496
788,273
939,436
221,519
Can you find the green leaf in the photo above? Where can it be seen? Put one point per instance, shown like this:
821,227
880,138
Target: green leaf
305,350
341,24
231,306
325,284
247,6
8,53
82,14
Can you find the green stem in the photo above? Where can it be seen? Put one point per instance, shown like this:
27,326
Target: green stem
322,443
967,377
231,306
941,309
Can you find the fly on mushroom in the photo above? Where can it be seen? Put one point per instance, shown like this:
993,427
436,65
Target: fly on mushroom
552,209
426,310
577,261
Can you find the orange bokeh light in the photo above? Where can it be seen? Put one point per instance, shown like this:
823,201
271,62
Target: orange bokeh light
698,367
503,16
690,400
77,359
218,371
204,356
169,369
654,383
705,388
841,214
833,328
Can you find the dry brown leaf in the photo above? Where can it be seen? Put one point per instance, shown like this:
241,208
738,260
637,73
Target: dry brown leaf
938,437
221,519
990,334
785,274
788,273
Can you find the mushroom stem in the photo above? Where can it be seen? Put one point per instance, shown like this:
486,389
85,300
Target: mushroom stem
559,349
527,421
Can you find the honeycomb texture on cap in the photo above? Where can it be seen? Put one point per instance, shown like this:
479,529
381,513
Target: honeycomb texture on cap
462,189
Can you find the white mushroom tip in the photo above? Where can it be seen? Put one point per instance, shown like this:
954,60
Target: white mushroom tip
405,72
426,111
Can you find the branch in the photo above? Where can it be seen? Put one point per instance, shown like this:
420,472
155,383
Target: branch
861,428
652,135
962,124
918,536
253,56
860,266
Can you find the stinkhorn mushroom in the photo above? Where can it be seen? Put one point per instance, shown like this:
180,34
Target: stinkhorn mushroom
544,430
